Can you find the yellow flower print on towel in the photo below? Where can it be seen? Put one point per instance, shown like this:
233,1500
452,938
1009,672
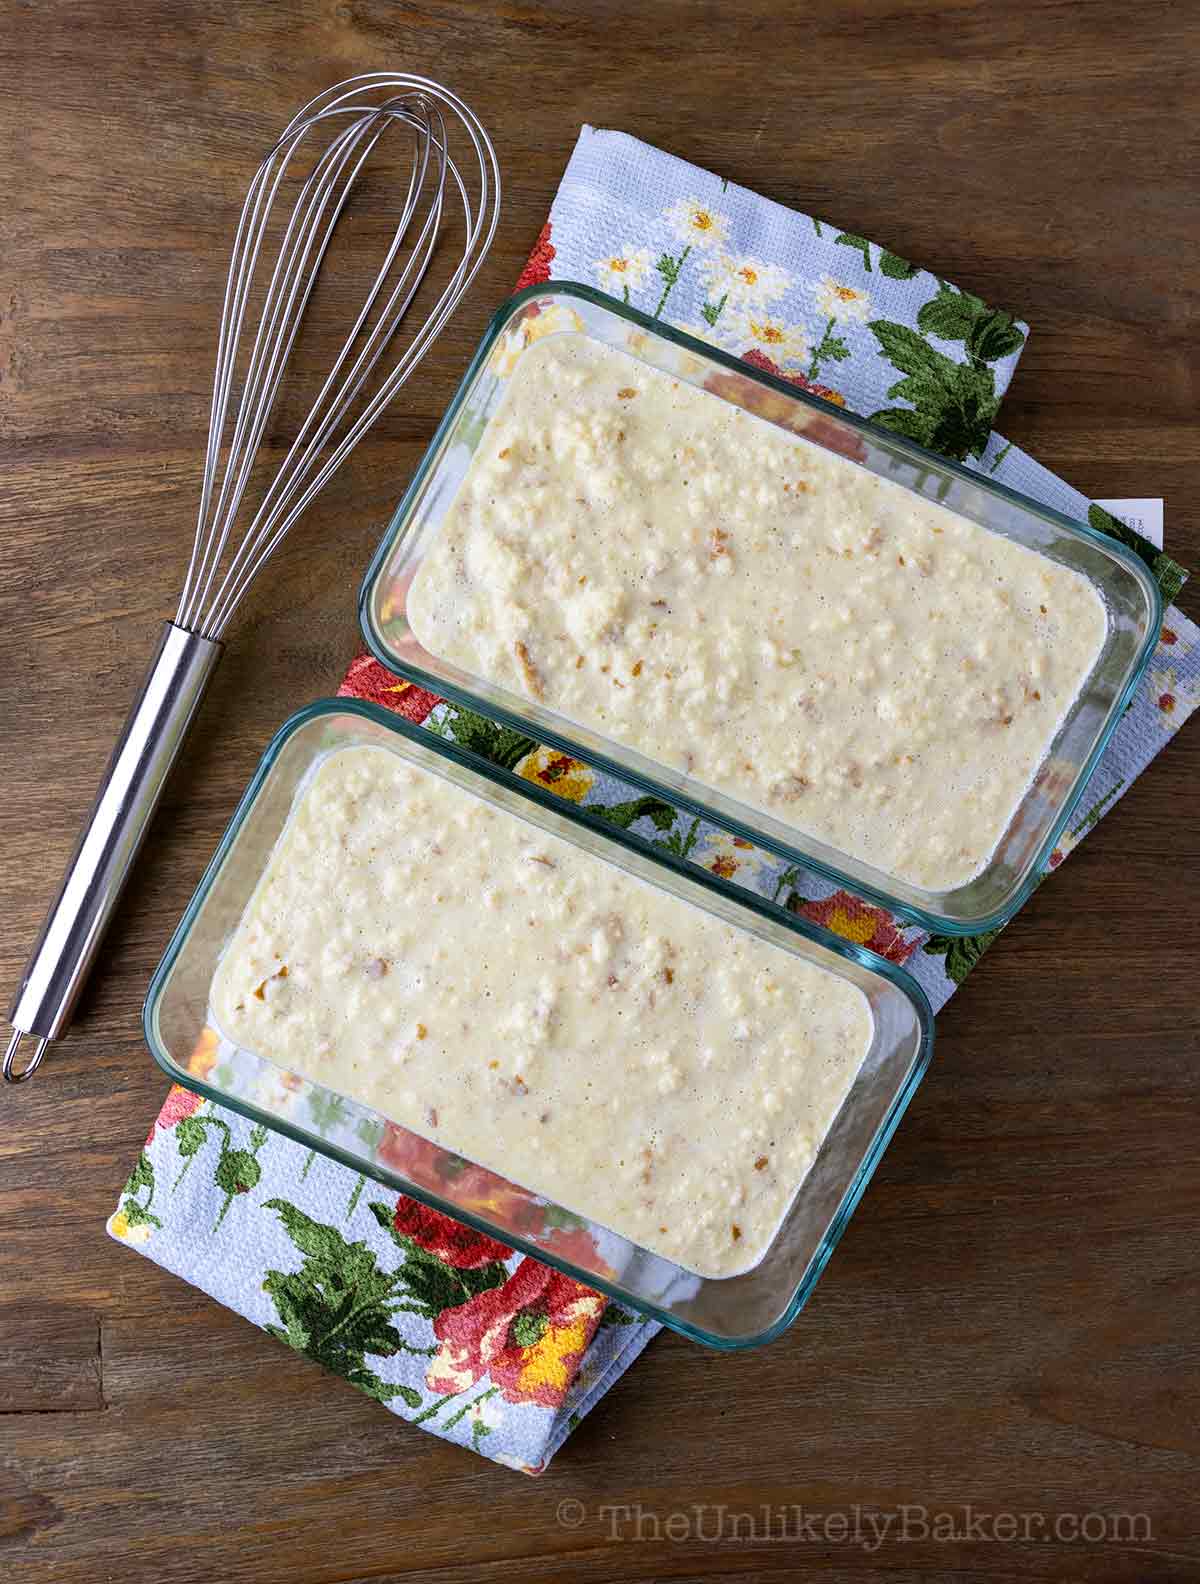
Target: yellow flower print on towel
557,772
120,1226
132,1221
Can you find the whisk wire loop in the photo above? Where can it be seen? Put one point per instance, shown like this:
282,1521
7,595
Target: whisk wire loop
223,562
284,303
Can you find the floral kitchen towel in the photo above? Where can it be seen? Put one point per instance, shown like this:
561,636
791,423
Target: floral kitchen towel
803,299
441,1324
446,1327
831,311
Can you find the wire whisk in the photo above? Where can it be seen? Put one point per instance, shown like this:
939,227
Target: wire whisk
209,599
452,169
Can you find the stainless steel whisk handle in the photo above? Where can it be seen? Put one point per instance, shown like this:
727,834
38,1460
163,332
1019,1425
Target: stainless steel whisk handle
129,794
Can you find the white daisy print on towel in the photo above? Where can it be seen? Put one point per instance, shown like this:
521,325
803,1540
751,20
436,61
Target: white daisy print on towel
841,303
729,855
838,304
745,282
624,271
697,224
787,345
699,228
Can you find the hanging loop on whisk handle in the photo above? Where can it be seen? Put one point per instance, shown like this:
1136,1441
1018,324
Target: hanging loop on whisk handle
109,842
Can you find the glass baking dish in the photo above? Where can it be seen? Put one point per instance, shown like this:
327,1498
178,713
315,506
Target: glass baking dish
730,1312
1130,595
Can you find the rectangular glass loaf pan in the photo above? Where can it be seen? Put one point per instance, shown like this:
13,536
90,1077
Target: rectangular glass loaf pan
1129,595
729,1312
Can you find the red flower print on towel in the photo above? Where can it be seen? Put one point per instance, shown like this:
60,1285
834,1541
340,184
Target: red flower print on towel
475,1188
760,360
471,1186
180,1103
528,1336
367,679
815,426
576,1245
460,1246
776,409
855,920
537,269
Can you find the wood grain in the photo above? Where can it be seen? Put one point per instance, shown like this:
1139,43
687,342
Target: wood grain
1012,1319
49,1359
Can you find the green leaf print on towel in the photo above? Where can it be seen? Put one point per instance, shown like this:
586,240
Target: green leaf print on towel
1168,574
237,1169
190,1137
987,333
661,814
569,778
679,841
961,952
897,268
371,1133
337,1307
830,346
431,1282
860,244
953,404
327,1111
133,1213
668,267
499,745
614,1315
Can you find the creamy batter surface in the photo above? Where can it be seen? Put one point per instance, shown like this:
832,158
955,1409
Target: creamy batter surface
739,604
540,1011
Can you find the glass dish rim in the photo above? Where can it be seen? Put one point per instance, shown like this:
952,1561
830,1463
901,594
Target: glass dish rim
927,917
394,1181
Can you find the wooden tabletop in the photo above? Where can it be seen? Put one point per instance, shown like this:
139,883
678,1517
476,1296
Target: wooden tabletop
1011,1323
